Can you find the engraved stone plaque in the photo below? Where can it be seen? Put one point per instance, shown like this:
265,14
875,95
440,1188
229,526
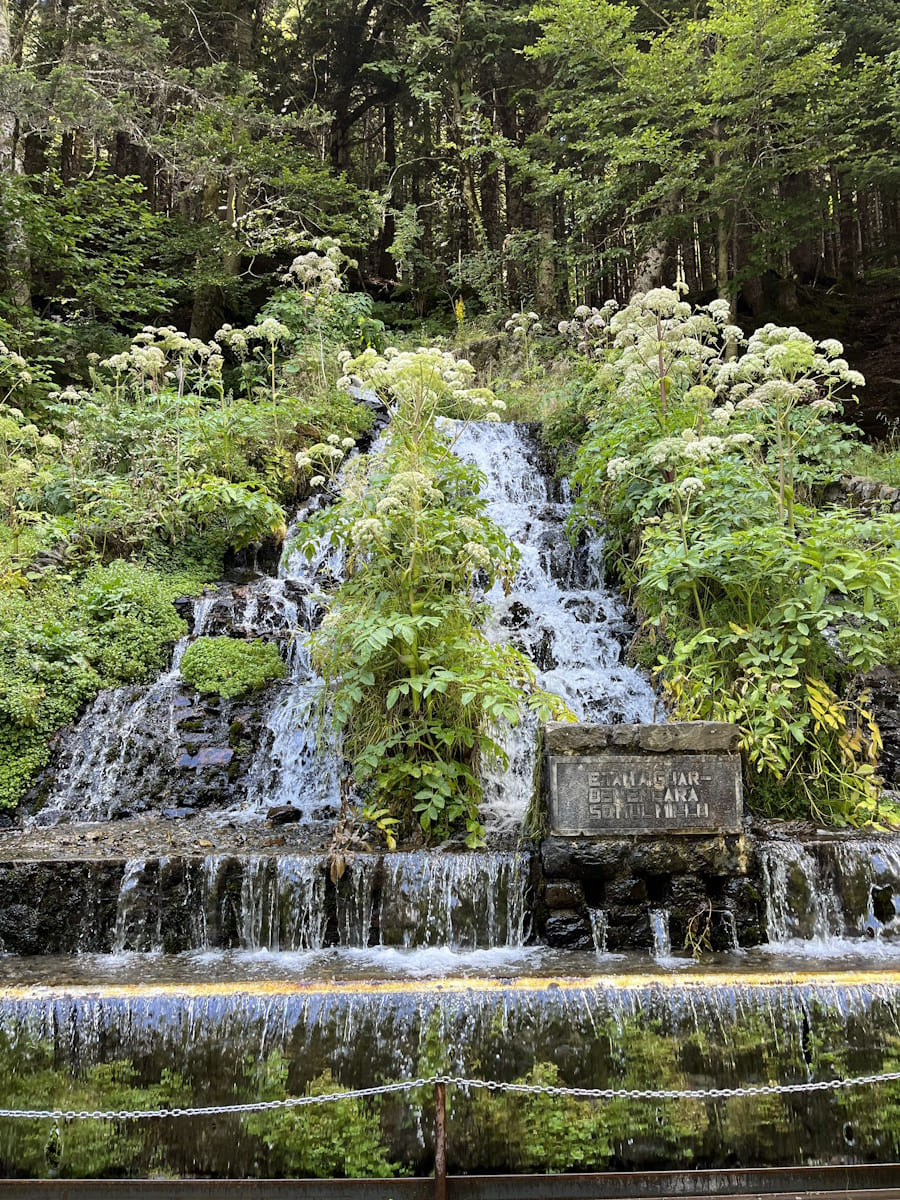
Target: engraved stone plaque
614,793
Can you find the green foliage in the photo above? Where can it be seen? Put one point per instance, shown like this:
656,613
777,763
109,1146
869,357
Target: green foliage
93,243
342,1139
231,667
560,1133
29,1078
417,690
63,638
161,462
540,1132
762,605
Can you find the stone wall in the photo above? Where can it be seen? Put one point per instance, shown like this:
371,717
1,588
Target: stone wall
710,887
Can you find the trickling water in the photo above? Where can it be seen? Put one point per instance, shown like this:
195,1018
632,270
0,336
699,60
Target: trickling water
832,889
659,931
599,928
458,900
130,930
297,763
560,611
288,902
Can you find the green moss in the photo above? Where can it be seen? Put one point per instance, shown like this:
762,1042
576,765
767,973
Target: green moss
63,638
230,667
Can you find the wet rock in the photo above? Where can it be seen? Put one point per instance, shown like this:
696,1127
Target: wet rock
564,895
719,856
626,891
568,929
687,895
627,929
699,737
208,756
883,685
660,857
176,814
745,901
283,814
58,908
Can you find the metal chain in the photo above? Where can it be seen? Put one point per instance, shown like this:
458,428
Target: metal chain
768,1089
385,1089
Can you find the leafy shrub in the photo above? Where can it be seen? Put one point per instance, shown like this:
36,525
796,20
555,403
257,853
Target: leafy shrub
705,466
231,667
30,1077
418,692
340,1139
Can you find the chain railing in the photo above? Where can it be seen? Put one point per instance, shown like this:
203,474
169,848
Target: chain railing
456,1081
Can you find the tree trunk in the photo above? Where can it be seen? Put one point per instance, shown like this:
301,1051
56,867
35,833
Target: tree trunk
207,294
18,256
387,268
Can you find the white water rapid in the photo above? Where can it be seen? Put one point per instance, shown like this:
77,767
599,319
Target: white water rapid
560,611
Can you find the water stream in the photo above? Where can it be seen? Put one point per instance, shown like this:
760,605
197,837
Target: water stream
560,611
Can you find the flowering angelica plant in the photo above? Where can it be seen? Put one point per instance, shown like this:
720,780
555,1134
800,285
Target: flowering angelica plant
416,690
706,454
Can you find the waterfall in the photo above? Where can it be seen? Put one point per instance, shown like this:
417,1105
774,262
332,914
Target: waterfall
826,892
560,612
690,1030
599,928
457,900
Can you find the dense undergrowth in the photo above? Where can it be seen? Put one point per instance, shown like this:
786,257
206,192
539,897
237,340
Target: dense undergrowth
706,454
125,492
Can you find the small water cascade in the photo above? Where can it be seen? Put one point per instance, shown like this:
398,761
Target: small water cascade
829,892
296,763
599,929
288,902
659,932
560,611
220,1041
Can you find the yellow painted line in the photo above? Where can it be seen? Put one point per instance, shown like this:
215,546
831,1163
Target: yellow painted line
454,986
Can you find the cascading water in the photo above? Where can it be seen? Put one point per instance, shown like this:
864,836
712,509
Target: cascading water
826,895
659,930
297,764
560,610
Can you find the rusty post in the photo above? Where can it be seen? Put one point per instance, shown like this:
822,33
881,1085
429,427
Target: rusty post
440,1141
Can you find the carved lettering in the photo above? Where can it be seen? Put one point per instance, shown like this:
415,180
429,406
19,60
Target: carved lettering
620,793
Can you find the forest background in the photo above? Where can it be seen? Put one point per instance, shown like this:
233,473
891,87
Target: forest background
161,160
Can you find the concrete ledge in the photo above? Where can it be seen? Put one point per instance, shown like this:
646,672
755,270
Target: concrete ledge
687,737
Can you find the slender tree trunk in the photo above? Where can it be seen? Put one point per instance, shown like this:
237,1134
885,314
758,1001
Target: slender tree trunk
387,268
18,256
207,293
466,173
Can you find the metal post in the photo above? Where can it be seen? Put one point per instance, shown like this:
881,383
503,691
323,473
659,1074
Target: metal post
440,1142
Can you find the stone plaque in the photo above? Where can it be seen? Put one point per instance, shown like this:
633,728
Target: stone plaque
645,793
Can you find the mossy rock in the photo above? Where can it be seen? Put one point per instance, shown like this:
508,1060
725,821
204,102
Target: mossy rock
231,667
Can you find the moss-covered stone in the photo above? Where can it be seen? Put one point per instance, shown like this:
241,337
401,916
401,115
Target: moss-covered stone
231,667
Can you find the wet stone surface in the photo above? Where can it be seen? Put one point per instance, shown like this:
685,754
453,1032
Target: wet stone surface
619,793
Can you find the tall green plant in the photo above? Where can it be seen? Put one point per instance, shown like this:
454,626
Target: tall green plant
417,691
